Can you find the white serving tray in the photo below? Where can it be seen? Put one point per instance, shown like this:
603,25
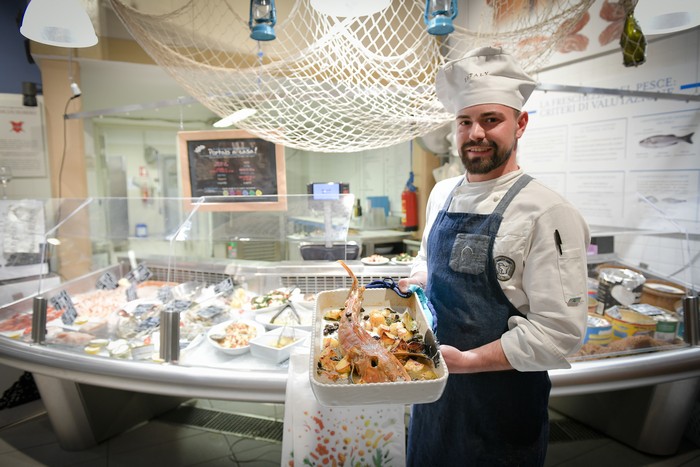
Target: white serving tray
344,394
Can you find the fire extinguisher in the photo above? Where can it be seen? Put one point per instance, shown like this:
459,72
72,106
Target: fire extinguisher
409,206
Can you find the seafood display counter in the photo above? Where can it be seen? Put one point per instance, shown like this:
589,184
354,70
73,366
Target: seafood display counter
91,395
113,354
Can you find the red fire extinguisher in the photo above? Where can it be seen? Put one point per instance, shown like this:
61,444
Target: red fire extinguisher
409,206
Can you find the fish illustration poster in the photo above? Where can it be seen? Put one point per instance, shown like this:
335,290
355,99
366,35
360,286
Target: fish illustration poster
626,161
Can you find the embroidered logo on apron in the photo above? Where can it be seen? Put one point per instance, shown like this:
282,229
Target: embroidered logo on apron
505,267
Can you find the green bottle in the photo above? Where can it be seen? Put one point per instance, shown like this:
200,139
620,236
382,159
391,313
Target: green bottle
633,43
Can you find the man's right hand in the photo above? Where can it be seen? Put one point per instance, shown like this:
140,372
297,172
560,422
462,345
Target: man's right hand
418,279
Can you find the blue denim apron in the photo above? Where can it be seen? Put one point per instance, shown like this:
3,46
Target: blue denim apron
488,419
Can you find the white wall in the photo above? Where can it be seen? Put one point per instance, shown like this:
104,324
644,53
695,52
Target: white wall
588,148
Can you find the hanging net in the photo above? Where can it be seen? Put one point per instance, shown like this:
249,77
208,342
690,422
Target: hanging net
334,84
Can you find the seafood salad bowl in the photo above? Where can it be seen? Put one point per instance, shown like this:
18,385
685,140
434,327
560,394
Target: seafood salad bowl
233,337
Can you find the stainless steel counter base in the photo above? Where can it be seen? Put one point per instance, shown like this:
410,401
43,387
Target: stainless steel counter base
83,416
651,419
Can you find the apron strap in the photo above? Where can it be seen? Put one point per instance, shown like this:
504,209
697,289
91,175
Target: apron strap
448,201
510,194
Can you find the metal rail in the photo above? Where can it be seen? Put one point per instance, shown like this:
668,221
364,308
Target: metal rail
185,100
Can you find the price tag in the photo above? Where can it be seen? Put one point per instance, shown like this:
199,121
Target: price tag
106,282
62,301
179,305
210,312
224,287
131,292
165,294
140,274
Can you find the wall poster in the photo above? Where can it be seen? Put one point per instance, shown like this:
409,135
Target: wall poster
232,170
22,137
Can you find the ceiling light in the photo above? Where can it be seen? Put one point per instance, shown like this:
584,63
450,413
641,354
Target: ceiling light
237,116
439,15
62,23
349,8
668,16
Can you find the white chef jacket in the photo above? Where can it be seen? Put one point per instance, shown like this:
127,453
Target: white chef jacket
548,288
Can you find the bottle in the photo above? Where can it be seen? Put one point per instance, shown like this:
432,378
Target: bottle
633,43
357,210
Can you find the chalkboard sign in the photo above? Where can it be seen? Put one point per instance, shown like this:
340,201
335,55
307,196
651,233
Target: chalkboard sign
233,170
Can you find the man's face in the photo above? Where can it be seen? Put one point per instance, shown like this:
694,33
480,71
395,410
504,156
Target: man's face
487,135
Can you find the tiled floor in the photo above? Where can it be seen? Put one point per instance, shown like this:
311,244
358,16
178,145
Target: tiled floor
166,442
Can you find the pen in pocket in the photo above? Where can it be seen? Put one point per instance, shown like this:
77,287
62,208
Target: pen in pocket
557,238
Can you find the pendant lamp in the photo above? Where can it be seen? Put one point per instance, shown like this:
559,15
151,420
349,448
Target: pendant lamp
262,20
439,15
61,23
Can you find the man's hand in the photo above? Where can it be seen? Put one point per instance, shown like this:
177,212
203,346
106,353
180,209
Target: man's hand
418,279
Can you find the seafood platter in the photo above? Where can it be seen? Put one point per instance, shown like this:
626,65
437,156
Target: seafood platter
373,347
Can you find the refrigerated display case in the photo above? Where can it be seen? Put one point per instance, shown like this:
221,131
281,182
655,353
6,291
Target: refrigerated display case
101,365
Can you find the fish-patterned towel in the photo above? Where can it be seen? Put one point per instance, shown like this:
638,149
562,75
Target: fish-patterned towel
335,436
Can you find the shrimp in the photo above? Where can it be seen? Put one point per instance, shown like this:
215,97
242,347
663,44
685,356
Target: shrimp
369,359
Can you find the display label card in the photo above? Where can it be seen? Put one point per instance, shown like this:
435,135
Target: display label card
210,312
62,301
107,281
140,274
179,305
224,287
165,294
131,292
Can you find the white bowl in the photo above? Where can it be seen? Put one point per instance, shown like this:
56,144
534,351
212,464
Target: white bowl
220,329
286,319
395,260
265,346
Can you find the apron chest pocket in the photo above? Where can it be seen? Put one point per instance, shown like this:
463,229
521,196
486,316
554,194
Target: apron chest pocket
469,253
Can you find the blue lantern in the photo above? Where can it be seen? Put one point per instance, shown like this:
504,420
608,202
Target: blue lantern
439,15
262,20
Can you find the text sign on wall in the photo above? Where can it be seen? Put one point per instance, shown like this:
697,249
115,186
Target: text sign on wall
233,170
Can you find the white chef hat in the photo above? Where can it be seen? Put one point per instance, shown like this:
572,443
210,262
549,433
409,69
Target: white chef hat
486,75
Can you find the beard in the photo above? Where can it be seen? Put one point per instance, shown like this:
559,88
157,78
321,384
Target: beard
486,163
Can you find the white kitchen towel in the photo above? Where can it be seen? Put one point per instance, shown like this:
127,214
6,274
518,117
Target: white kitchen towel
318,435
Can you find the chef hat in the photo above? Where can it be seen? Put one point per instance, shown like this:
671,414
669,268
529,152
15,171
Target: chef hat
484,76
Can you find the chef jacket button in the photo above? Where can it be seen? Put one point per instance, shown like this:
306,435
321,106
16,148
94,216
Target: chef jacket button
496,198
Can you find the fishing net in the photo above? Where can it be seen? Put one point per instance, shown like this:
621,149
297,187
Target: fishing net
334,84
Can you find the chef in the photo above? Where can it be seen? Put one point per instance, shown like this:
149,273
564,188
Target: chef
503,262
